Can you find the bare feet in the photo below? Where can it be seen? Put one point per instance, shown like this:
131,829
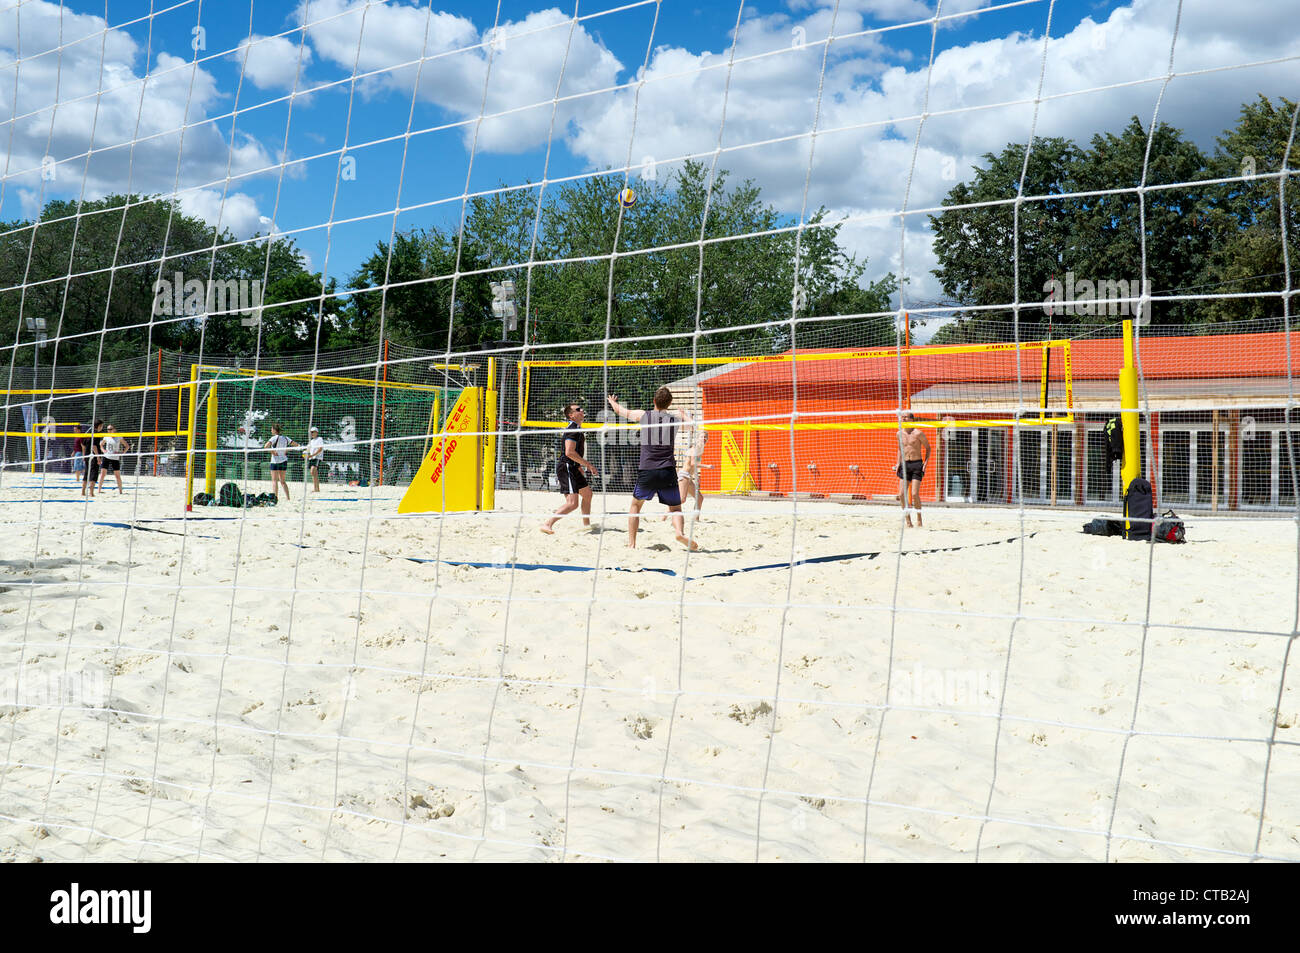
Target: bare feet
546,528
690,544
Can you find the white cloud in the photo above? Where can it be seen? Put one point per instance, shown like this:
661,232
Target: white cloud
865,171
130,123
234,211
273,62
451,58
901,11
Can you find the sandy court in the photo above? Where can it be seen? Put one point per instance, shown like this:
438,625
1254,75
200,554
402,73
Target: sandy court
323,680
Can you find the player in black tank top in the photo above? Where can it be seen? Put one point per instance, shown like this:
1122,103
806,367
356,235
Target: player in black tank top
568,470
657,474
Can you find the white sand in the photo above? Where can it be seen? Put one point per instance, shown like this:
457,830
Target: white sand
231,725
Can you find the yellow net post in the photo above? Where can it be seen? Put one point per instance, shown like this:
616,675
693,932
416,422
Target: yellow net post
489,482
1131,466
193,389
210,443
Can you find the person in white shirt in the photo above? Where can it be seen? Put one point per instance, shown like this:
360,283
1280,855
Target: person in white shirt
315,454
113,449
279,446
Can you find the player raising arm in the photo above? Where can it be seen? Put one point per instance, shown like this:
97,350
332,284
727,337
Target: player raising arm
657,470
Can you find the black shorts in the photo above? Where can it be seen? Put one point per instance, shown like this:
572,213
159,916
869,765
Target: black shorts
915,470
280,466
570,477
661,482
112,466
313,463
92,470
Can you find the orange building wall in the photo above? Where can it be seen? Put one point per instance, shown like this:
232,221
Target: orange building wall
854,387
874,452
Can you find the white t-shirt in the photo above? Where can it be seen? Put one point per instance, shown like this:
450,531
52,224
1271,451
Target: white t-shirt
316,449
279,449
112,448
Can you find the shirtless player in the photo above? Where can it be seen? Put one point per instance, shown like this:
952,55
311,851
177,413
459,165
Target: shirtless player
914,457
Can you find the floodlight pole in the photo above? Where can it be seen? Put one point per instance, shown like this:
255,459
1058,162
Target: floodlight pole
37,327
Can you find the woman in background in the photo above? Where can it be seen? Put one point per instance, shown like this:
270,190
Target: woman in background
80,446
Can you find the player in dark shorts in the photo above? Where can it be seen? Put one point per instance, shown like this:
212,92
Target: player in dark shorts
657,471
569,469
913,456
94,459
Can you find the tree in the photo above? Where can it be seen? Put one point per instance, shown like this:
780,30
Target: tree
90,270
1107,231
661,275
417,307
1246,218
977,247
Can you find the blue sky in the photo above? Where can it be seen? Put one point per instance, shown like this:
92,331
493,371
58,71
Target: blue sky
1105,62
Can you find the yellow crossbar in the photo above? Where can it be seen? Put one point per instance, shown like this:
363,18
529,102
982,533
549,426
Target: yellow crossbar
846,425
321,378
115,433
872,354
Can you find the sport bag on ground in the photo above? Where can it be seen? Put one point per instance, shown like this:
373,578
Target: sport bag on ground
1170,529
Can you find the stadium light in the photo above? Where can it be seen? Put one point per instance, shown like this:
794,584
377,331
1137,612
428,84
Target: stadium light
37,326
503,306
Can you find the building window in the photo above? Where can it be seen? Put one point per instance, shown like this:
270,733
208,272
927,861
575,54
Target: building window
1257,468
1103,481
957,462
1064,465
1288,450
1176,466
1203,486
1031,464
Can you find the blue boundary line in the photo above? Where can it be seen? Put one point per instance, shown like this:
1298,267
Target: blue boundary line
148,529
560,567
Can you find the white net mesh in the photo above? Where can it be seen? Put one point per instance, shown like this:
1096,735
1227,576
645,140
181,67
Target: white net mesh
355,220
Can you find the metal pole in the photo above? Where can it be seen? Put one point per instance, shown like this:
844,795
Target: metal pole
35,437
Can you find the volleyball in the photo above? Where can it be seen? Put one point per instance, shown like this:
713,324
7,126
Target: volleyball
627,198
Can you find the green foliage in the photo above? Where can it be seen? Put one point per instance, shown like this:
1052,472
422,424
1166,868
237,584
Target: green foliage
1199,238
650,288
90,269
1247,215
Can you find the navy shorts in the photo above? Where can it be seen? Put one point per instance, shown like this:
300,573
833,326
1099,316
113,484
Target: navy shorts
661,482
570,477
280,466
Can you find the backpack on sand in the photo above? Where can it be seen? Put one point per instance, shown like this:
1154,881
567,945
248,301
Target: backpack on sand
1138,508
